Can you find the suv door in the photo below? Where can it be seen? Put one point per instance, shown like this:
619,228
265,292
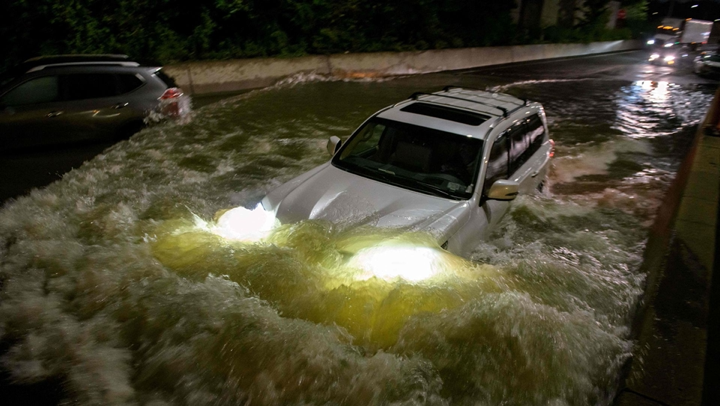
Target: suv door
60,108
97,105
25,112
485,214
516,154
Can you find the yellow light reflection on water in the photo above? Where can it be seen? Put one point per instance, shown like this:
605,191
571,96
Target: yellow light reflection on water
391,262
370,282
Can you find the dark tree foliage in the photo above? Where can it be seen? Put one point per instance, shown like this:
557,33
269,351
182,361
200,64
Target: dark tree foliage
171,31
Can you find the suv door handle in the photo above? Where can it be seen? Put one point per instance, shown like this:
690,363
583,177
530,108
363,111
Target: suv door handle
53,114
120,105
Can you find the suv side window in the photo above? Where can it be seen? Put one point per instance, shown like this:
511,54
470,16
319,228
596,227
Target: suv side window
525,139
81,86
39,90
518,146
497,166
535,132
127,82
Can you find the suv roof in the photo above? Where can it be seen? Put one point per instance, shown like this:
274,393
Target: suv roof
473,99
42,62
77,60
468,111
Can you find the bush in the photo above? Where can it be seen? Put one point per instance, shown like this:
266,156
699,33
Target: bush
170,31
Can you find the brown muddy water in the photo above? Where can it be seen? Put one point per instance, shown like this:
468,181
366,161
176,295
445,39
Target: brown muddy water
115,291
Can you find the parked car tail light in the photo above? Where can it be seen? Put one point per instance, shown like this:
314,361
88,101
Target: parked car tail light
170,102
172,93
552,148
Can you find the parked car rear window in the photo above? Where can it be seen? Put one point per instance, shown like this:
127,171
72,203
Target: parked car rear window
127,82
169,82
38,90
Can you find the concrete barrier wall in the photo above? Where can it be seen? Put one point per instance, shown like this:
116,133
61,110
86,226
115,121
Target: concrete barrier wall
233,75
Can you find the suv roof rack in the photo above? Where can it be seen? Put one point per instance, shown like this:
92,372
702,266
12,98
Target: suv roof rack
416,95
55,65
42,62
448,88
78,58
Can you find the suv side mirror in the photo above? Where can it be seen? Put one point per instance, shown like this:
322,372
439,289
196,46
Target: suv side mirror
503,189
333,145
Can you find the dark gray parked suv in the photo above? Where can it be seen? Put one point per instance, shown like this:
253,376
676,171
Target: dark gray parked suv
63,99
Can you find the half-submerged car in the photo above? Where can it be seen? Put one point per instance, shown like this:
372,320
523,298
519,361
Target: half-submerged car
54,100
448,162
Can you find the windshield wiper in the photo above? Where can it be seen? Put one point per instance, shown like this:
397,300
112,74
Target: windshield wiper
437,190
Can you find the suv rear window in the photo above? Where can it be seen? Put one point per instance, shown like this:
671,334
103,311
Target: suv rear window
169,82
446,113
127,82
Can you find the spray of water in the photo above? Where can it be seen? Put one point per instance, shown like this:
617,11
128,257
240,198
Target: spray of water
115,283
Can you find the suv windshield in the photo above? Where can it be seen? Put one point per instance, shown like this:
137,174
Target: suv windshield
417,158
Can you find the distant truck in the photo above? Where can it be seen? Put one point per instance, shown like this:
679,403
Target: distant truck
681,31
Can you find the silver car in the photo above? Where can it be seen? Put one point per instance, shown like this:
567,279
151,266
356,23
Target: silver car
448,162
63,99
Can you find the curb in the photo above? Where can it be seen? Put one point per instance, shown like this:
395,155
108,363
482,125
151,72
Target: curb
242,74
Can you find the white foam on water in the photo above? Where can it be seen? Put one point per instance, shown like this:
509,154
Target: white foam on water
573,162
505,87
109,286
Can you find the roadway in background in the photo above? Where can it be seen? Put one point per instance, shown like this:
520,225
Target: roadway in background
23,171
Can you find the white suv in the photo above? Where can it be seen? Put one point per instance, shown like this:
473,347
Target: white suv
448,163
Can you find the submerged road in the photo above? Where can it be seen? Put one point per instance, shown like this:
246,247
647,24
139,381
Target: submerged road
115,290
22,171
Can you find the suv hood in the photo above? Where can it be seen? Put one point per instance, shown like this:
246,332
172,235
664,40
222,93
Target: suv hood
332,194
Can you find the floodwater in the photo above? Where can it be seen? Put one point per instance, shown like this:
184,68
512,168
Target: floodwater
115,287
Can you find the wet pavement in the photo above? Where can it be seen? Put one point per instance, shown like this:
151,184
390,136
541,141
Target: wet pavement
677,326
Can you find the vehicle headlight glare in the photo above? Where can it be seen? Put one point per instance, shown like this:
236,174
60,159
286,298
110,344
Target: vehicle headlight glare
654,56
242,224
669,58
392,262
669,45
651,42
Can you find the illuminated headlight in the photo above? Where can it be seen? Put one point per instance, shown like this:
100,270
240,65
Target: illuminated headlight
651,42
669,45
654,57
242,224
669,58
390,262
